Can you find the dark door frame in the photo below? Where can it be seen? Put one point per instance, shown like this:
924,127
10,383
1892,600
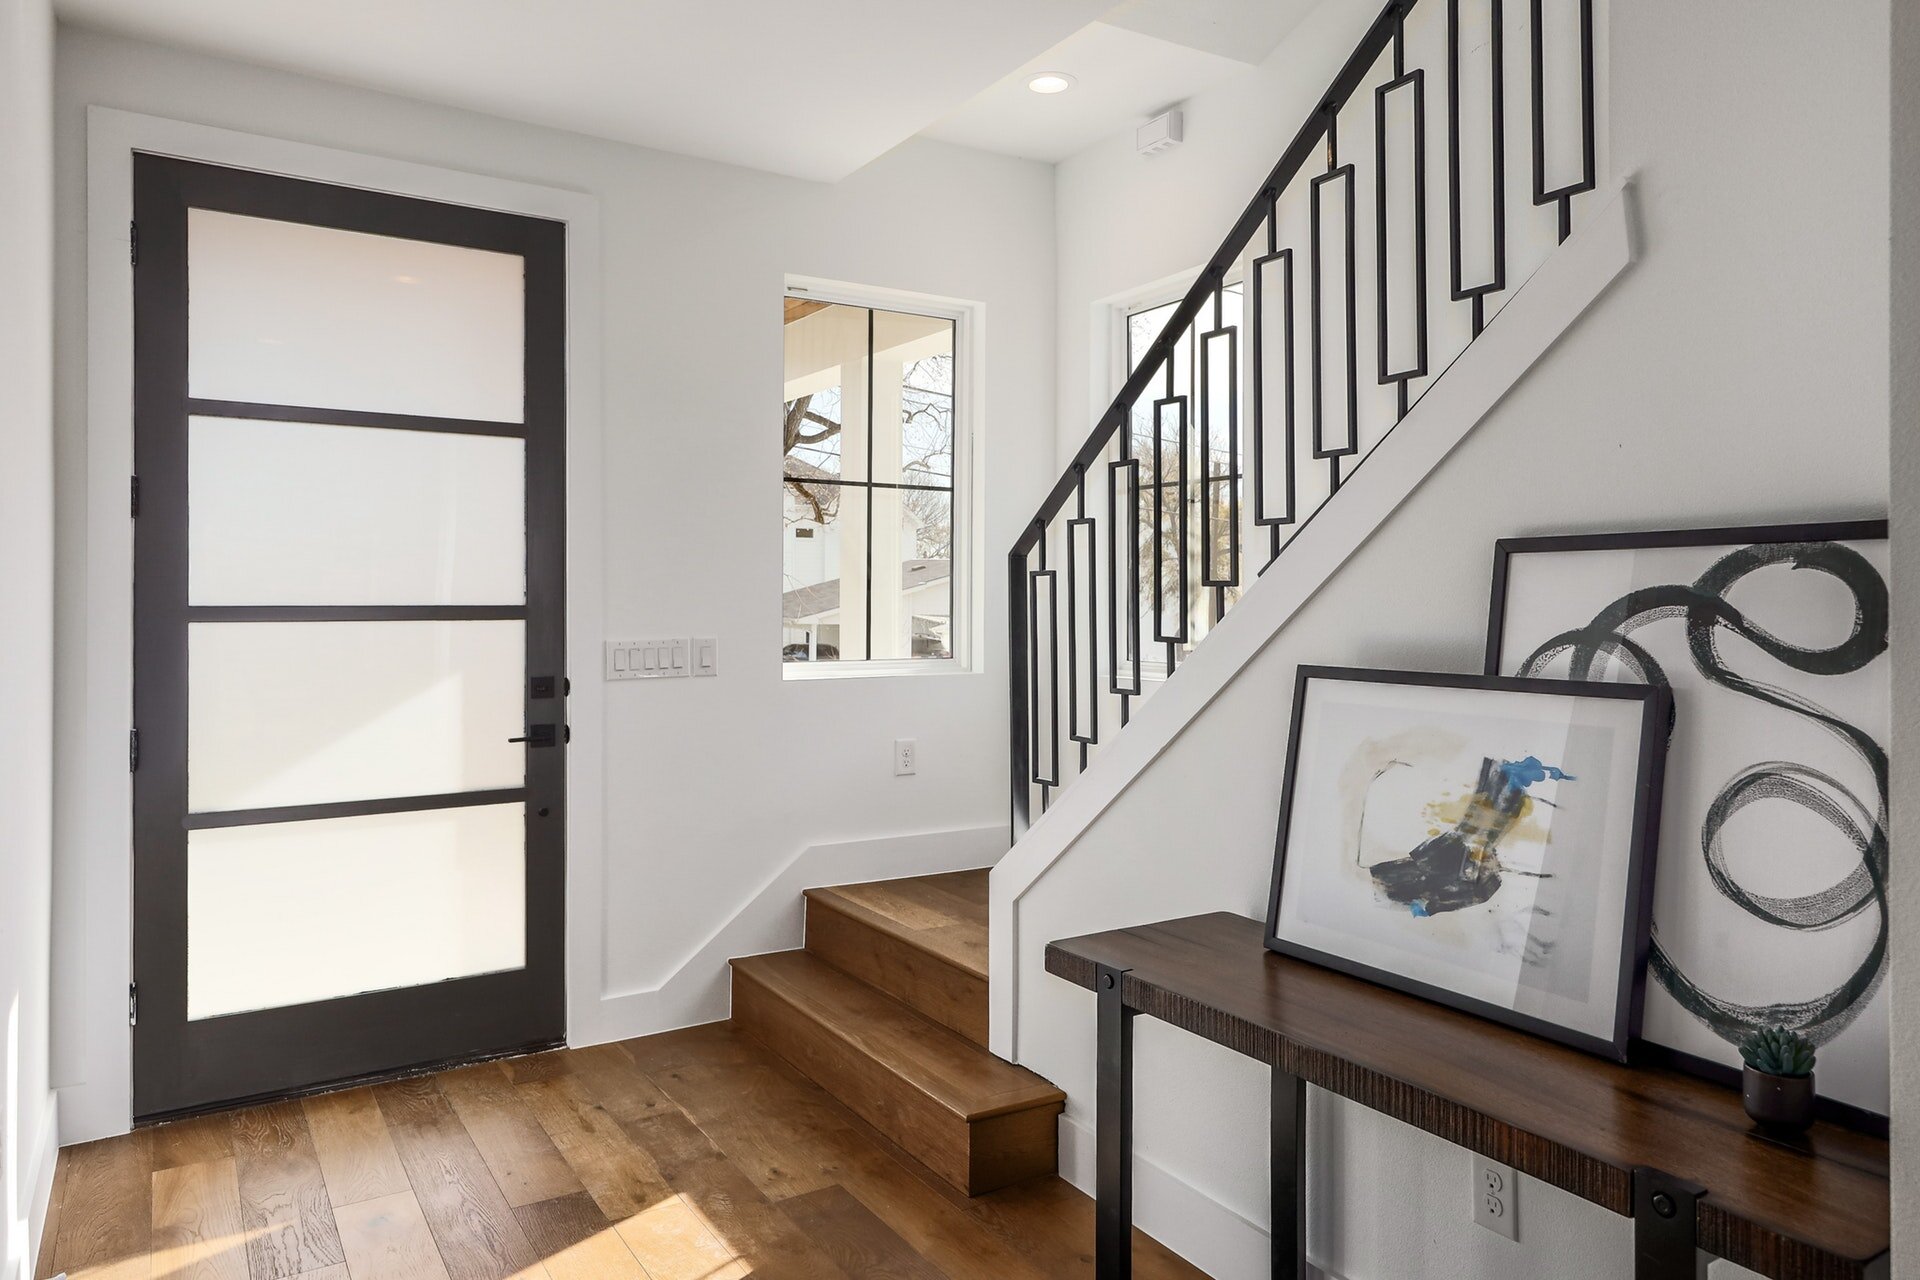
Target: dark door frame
181,1066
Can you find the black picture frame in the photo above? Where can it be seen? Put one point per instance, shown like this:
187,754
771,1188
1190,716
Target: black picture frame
1506,548
1645,1052
1644,826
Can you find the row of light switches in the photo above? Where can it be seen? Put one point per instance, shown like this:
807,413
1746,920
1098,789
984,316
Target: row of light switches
657,659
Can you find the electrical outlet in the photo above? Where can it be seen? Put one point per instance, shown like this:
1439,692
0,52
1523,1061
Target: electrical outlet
1496,1197
904,756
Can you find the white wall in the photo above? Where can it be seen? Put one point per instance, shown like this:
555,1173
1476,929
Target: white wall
708,795
27,1134
1736,373
1905,756
1177,206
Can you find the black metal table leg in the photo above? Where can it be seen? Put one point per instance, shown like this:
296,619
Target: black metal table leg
1289,1176
1665,1227
1113,1139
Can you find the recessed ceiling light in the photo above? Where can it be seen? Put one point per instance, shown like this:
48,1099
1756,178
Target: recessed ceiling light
1050,82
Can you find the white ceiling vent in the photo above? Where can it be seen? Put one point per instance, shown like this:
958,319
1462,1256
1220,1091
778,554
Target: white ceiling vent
1159,134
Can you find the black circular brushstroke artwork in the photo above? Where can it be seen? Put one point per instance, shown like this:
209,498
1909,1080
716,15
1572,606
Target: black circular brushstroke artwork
1706,609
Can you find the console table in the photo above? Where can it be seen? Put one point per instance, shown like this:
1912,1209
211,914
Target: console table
1672,1152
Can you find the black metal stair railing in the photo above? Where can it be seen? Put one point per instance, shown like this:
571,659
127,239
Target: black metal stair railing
1188,436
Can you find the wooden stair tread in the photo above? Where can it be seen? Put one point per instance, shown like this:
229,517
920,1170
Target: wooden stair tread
961,1077
944,915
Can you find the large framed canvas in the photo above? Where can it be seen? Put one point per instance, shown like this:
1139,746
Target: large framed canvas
1771,906
1480,841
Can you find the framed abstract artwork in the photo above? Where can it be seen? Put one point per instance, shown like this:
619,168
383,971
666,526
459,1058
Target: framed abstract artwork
1770,908
1480,841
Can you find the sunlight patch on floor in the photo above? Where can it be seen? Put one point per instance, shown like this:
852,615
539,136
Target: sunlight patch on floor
214,1258
675,1241
601,1256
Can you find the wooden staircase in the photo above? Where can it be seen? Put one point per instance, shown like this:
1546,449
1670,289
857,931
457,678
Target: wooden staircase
886,1009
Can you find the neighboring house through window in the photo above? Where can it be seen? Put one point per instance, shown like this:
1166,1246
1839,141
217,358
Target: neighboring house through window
871,448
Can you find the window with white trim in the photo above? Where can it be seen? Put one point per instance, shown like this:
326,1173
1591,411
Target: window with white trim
873,446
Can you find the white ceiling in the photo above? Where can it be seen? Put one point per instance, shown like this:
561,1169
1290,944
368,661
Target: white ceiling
1142,57
1122,79
1244,30
812,88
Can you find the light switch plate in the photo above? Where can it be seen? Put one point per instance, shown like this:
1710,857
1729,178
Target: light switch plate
646,659
705,657
1496,1197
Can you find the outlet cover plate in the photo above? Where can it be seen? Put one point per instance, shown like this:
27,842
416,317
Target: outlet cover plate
1496,1197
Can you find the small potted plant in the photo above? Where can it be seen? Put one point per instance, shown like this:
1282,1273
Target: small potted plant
1777,1084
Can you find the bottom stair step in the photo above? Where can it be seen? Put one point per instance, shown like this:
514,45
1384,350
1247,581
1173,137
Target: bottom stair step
978,1122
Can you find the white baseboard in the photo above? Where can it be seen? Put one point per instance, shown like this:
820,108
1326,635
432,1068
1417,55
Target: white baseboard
772,918
43,1167
1179,1215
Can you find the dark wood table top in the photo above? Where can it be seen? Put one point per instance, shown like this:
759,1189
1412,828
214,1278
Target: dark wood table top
1565,1117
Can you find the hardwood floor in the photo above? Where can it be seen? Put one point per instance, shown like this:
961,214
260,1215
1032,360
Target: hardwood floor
696,1155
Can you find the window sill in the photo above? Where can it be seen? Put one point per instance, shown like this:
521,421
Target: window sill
810,671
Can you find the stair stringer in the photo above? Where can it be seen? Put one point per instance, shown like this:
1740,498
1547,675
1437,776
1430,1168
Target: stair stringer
1571,280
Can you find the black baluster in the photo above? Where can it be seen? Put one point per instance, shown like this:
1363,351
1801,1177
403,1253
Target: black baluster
1082,588
1563,195
1175,407
1123,476
1344,176
1277,262
1019,714
1229,335
1497,155
1414,83
1043,587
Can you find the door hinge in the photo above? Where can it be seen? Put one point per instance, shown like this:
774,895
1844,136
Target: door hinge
133,1004
133,243
133,751
134,501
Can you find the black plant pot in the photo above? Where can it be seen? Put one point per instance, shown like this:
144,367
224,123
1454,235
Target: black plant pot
1777,1102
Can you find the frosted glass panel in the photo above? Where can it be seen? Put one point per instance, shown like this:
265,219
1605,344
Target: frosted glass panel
284,713
294,513
281,313
292,912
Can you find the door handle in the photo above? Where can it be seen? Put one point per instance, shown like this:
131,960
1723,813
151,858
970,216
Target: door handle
537,735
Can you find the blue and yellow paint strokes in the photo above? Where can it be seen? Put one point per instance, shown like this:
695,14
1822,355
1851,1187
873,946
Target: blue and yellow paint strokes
1460,868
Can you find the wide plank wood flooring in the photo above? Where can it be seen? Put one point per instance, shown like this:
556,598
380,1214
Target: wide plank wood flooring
695,1155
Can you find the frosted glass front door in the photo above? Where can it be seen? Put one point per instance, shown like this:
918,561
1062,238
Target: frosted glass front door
296,713
349,692
302,513
285,313
285,713
362,904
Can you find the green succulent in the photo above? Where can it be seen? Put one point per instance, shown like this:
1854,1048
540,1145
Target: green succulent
1778,1052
